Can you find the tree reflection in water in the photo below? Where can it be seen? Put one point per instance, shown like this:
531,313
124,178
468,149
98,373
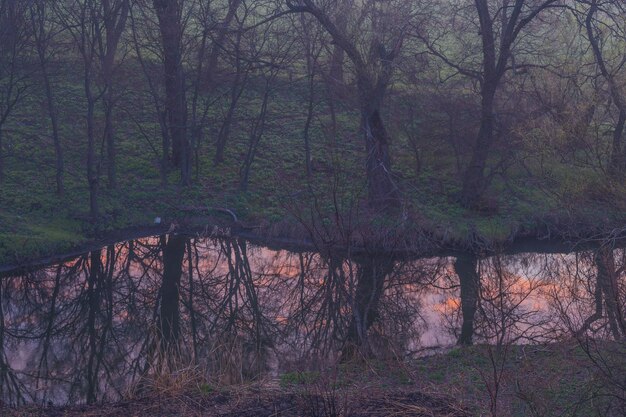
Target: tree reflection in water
88,328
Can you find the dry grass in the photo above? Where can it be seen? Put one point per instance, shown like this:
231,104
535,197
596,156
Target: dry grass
263,401
538,381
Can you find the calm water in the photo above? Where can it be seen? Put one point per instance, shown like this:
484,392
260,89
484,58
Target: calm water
93,327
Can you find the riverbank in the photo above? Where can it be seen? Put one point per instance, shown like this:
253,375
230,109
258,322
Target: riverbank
548,380
35,244
540,193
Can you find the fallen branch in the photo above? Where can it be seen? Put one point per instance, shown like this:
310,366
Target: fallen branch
221,210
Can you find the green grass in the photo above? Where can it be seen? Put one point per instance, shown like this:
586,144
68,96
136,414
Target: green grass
298,378
35,222
556,379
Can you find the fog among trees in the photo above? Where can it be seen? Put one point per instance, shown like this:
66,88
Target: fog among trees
208,181
499,88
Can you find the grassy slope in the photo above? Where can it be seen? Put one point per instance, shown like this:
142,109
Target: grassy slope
554,380
35,222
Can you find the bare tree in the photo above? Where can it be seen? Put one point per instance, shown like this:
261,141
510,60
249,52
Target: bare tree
44,31
13,79
500,24
114,16
143,41
268,54
170,17
241,71
372,39
219,42
313,45
80,18
604,27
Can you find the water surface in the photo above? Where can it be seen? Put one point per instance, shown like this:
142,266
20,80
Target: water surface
94,327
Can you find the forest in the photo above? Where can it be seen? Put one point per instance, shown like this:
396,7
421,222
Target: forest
168,166
465,123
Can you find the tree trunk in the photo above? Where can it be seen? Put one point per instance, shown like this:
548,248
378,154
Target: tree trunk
168,14
369,289
110,138
115,16
58,150
618,157
92,172
309,119
255,137
336,73
41,38
1,157
608,283
224,133
616,160
218,44
465,268
474,182
165,145
236,90
382,191
336,69
109,134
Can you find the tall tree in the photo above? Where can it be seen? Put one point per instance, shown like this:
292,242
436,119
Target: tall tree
114,16
605,29
170,17
13,79
80,18
372,38
43,30
500,24
496,54
219,45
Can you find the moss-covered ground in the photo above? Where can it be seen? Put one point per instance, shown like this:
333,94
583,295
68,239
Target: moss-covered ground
537,192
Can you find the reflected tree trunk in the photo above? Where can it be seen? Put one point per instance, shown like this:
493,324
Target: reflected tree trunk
192,312
10,387
169,293
370,284
93,300
46,343
466,269
99,317
607,286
